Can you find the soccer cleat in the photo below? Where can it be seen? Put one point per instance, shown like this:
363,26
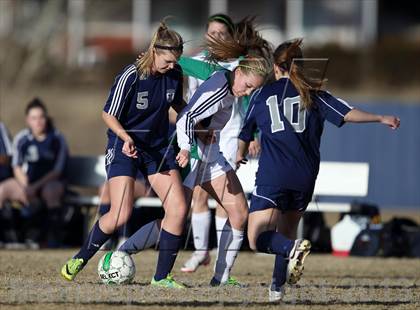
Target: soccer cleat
275,295
197,259
232,282
297,257
168,282
72,268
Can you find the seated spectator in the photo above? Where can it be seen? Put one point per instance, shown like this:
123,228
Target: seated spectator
39,159
7,234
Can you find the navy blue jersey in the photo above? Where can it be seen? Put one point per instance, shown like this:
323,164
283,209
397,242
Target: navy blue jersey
38,158
5,153
290,135
141,105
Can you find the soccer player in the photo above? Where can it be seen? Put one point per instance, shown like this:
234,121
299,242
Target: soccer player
221,27
39,158
289,114
136,113
218,26
211,105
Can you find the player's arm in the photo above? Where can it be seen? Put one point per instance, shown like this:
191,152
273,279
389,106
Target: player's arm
246,135
118,96
199,69
205,102
17,160
112,122
359,116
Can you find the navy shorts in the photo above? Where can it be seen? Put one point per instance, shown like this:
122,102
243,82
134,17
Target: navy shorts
149,161
266,197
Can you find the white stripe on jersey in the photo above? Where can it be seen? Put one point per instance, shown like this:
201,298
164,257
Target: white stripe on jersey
6,139
189,124
116,98
331,107
16,141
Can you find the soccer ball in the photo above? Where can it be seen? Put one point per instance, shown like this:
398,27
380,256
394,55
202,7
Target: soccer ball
116,268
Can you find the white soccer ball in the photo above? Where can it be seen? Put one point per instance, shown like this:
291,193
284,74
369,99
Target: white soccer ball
116,268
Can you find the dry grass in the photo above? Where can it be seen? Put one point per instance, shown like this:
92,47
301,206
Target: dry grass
31,280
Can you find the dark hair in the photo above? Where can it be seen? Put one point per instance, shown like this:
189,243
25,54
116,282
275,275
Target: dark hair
37,103
223,19
288,57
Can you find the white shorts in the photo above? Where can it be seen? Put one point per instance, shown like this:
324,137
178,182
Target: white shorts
202,172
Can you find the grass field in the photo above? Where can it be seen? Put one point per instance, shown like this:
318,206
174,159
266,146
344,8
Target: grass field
30,279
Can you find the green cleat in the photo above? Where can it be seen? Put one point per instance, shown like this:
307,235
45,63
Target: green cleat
231,281
72,268
168,282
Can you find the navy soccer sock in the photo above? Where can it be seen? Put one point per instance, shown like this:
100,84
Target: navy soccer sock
279,273
273,242
169,245
93,243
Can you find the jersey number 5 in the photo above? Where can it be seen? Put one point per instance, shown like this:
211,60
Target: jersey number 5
142,102
297,120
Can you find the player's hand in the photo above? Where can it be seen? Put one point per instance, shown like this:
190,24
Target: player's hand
129,148
183,158
391,121
254,148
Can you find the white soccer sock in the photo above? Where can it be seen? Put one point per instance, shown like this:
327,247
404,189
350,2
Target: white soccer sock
220,223
144,238
200,226
230,244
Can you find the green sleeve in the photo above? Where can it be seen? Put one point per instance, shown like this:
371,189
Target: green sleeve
197,68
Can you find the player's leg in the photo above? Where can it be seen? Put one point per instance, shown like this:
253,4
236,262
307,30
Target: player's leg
52,193
200,224
227,191
10,190
121,191
168,187
220,220
124,232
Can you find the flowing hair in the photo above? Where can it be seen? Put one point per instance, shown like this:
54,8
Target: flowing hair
247,44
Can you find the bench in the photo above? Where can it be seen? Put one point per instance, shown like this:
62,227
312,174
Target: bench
339,179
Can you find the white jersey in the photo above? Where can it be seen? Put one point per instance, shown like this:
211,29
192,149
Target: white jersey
228,137
212,101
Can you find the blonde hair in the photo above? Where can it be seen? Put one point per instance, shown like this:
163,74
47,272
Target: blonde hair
163,39
288,57
255,65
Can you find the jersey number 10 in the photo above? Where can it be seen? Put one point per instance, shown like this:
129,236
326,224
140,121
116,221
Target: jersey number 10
295,116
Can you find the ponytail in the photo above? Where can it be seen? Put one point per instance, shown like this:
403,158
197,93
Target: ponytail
288,57
163,39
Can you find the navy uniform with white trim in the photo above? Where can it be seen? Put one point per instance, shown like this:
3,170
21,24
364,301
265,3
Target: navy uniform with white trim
290,141
141,106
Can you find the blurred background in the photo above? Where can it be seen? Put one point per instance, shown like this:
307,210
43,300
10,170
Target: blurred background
68,52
